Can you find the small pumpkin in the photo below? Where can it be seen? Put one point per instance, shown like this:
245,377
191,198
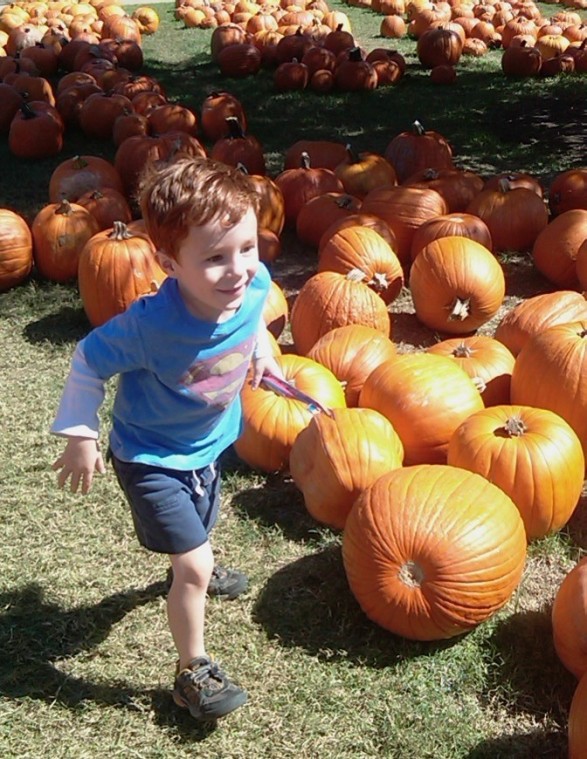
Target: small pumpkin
16,249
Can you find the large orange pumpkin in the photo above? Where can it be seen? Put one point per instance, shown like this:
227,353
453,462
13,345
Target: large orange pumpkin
555,249
417,149
328,300
532,454
431,551
425,397
451,225
351,353
336,457
569,620
457,285
16,249
271,422
116,267
551,372
578,722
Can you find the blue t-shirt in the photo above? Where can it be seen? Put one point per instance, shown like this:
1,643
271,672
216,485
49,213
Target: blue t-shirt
177,403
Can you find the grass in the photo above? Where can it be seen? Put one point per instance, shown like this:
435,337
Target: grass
87,659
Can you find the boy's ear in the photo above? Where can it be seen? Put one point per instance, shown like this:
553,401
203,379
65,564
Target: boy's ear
166,263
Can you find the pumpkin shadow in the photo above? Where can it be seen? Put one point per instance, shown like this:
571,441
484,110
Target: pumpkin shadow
540,743
308,604
62,327
36,633
526,676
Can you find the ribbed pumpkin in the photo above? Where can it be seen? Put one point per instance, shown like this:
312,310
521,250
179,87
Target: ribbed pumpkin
300,184
60,231
321,212
577,723
515,217
404,209
328,300
457,186
533,315
336,457
451,225
532,454
417,149
431,551
555,249
275,310
486,361
80,174
364,249
362,172
558,358
457,285
569,620
351,353
16,249
116,267
271,422
425,397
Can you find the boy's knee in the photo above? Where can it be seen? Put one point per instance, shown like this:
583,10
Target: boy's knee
194,567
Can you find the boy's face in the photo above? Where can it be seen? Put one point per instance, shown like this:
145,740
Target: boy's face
214,266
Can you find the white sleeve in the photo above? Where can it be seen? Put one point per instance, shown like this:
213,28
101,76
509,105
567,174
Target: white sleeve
263,346
77,415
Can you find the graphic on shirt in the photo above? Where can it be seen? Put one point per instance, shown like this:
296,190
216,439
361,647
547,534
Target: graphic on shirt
218,379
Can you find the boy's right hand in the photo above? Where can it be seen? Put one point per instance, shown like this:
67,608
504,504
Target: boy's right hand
78,462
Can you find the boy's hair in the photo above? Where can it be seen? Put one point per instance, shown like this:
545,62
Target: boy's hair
191,192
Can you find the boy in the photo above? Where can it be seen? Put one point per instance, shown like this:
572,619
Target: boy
182,357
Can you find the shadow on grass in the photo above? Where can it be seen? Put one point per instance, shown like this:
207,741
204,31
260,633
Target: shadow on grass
67,325
35,633
308,604
536,745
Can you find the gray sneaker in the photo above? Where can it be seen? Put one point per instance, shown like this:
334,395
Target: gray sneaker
224,583
206,691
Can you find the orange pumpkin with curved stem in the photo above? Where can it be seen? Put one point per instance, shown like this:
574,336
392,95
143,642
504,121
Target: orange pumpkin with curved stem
362,172
531,454
364,249
216,108
271,422
336,457
328,300
431,551
411,151
239,147
457,285
351,353
569,620
303,183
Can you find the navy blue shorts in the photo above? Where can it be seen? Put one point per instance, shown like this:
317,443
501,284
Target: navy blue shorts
173,511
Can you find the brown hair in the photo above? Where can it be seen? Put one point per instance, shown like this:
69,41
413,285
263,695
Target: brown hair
191,192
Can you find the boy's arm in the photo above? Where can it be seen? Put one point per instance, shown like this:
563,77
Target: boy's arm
263,358
77,419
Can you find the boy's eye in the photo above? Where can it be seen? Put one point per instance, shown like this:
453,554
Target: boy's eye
214,259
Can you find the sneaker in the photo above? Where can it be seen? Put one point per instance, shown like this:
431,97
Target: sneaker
224,583
206,691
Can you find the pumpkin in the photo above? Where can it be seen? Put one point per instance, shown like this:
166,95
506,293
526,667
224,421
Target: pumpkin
301,184
439,46
336,457
431,551
364,249
351,353
532,454
322,154
557,356
328,300
239,60
239,148
581,265
271,422
451,225
417,149
172,117
569,620
10,102
116,267
555,249
99,112
520,61
364,171
362,220
75,176
106,206
146,19
35,132
487,362
457,285
515,217
425,397
275,310
457,186
577,728
16,249
60,231
516,179
533,315
216,108
568,190
321,212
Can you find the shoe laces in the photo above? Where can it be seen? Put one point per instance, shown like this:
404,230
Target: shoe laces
206,675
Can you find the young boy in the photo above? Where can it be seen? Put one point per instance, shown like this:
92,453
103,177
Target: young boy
182,357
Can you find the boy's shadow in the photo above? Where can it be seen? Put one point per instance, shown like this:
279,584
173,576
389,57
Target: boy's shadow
35,633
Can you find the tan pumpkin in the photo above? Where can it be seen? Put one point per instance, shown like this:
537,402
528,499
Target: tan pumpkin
336,457
431,551
531,454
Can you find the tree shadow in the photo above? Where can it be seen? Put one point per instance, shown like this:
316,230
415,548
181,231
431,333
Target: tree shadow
308,604
36,633
539,744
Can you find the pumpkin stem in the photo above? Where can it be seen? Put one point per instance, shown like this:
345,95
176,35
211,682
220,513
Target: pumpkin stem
430,174
119,231
514,426
355,54
345,202
242,168
304,160
504,185
462,351
78,162
356,275
418,128
235,130
64,207
352,154
480,384
460,310
379,281
411,574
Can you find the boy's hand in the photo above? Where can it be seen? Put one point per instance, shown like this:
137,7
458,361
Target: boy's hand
262,365
79,461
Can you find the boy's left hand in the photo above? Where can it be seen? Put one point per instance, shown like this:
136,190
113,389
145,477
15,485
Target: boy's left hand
262,365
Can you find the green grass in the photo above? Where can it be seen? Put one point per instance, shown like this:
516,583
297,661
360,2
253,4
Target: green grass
86,659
